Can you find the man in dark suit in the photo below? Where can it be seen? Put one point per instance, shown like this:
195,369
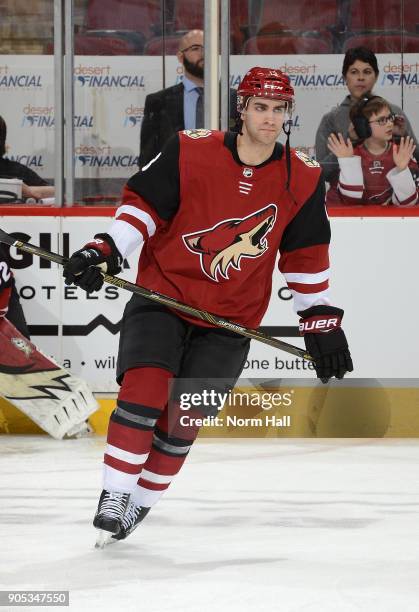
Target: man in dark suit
179,107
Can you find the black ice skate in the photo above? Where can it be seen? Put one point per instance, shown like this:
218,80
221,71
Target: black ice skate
132,518
110,511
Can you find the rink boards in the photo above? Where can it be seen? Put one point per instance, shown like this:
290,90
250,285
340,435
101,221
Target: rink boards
373,263
333,411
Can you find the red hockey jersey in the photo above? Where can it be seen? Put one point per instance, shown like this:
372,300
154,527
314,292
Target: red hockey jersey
212,226
374,179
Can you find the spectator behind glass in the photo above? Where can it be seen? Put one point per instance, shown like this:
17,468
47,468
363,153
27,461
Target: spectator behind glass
33,185
376,170
360,71
179,107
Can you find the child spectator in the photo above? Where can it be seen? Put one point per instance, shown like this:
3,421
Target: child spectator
360,72
376,169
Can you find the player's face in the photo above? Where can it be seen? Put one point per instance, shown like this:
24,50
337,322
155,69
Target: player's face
382,124
263,119
360,79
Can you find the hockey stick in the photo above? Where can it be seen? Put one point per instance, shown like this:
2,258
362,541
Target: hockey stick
163,299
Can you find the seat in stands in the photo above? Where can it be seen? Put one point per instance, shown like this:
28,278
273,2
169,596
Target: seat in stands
286,45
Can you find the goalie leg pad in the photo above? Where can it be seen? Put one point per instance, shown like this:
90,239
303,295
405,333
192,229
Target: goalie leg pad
49,395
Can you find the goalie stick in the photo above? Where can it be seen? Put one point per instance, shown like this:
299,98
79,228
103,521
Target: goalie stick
254,334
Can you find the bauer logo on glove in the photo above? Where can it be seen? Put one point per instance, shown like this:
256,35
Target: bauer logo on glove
325,341
319,324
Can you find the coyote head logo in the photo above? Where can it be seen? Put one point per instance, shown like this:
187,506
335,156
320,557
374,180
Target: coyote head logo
224,244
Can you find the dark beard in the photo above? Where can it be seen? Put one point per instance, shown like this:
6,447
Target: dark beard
195,69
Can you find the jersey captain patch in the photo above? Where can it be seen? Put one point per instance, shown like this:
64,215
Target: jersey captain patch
309,161
223,245
197,133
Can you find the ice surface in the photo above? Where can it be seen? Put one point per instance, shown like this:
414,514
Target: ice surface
252,525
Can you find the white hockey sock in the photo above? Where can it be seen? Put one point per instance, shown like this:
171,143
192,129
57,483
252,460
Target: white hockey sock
146,497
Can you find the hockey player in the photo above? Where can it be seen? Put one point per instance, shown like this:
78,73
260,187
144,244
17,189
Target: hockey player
377,170
212,211
6,281
10,306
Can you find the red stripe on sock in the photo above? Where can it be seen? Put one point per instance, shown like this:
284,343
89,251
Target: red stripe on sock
122,466
153,486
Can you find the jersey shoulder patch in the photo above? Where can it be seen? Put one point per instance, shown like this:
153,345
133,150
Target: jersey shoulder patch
200,133
309,161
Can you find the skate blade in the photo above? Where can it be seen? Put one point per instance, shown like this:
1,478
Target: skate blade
103,539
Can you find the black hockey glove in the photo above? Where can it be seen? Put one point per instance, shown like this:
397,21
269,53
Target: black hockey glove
85,266
326,341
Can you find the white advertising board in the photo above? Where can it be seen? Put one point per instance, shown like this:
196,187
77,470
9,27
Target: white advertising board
374,267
